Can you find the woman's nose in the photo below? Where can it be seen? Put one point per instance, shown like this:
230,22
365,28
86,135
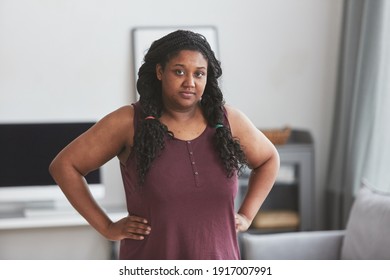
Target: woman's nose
189,81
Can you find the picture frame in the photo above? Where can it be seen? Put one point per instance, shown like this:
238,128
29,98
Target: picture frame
143,37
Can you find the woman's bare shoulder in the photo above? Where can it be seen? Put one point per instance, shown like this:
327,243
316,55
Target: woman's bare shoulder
124,113
120,124
236,118
121,118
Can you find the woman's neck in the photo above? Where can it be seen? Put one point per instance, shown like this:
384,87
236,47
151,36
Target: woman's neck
176,115
185,125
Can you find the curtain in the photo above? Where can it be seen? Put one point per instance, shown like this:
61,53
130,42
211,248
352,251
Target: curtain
361,118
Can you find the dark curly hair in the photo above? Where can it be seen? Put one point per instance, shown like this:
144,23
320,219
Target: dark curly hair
149,137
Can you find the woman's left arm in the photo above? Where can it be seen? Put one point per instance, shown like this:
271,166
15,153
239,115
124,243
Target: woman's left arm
262,158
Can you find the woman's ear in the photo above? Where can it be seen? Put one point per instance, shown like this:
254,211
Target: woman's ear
159,71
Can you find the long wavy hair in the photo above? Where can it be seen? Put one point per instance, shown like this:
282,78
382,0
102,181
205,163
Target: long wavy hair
150,134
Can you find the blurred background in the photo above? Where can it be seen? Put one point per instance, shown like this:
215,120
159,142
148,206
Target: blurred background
72,61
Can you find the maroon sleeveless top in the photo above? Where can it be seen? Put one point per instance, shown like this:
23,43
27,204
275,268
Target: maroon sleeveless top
187,199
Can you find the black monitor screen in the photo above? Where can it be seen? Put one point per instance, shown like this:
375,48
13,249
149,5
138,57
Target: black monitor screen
26,150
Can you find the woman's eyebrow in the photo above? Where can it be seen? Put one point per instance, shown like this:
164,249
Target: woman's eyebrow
182,65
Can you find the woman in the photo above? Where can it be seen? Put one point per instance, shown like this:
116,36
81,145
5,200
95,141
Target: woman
180,151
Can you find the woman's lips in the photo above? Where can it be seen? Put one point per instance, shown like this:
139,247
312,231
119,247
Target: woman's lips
187,94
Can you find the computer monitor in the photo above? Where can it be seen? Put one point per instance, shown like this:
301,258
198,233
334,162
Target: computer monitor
26,150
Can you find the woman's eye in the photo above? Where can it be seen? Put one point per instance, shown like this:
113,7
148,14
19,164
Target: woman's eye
179,72
199,74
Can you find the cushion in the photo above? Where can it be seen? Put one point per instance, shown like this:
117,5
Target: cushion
311,245
367,234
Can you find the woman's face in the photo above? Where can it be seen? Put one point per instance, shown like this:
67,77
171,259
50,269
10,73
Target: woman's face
183,79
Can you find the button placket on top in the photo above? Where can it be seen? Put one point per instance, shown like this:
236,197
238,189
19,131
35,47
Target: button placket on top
195,171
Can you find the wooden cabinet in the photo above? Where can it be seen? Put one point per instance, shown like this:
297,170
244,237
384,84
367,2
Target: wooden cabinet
289,206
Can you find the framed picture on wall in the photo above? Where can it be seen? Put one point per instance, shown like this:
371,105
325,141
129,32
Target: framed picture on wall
143,37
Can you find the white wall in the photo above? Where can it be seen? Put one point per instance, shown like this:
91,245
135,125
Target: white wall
71,60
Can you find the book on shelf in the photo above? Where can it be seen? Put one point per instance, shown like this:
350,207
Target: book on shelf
276,219
286,174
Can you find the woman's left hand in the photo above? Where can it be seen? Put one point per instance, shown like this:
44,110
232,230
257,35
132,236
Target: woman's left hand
242,223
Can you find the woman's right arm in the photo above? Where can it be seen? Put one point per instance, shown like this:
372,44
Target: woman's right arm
112,136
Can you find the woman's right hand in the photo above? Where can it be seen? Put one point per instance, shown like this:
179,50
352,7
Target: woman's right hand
130,227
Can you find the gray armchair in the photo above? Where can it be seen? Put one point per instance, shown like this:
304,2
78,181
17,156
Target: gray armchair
367,236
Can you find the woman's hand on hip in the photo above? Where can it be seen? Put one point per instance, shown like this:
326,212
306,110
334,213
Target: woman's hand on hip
242,223
130,227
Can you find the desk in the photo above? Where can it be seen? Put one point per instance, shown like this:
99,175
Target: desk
60,236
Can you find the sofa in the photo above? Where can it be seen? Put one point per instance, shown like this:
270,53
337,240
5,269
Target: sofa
366,236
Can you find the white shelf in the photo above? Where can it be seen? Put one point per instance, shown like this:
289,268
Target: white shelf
294,186
50,219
